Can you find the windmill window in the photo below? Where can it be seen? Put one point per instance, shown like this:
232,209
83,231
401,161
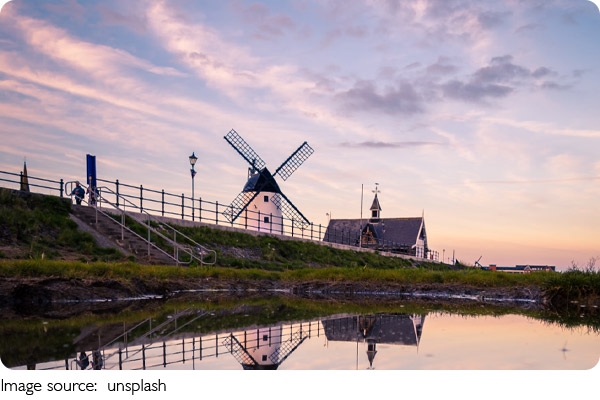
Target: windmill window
266,199
264,358
267,220
374,214
265,338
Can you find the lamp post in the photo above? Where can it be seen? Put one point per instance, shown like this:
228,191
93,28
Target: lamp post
193,160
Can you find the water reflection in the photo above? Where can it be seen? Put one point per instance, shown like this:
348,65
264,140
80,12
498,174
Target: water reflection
227,338
395,329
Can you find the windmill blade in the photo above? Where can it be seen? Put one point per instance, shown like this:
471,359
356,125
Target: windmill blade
294,161
238,205
244,149
290,211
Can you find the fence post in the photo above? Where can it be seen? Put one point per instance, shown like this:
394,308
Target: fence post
292,227
311,231
117,184
62,183
259,220
271,223
200,209
217,213
182,209
141,197
320,232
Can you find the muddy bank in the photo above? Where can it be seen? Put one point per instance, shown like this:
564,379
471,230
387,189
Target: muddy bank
32,294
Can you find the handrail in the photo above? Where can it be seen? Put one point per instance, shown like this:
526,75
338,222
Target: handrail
200,249
123,226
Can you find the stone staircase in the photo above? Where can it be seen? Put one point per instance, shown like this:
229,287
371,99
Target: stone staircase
107,232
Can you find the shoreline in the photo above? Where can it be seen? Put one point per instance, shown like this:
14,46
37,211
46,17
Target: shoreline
46,291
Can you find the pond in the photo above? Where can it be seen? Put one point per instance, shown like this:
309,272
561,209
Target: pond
299,334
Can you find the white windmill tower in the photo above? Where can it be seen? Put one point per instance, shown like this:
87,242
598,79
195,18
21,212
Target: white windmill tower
261,204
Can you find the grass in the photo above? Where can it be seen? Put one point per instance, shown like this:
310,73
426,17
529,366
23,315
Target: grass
40,225
272,253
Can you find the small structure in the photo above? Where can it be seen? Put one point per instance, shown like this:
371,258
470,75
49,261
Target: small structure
24,178
520,269
399,235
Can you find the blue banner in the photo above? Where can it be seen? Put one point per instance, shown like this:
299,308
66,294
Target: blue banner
91,170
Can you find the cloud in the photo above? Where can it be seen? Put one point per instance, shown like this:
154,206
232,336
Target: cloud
390,145
133,21
474,91
544,128
498,79
268,25
441,67
364,96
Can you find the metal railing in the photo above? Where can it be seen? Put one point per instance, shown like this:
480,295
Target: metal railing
162,345
201,210
160,202
194,250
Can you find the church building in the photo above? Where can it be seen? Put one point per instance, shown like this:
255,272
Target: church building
399,235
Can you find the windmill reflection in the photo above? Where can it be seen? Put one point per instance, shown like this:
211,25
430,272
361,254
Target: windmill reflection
265,348
395,329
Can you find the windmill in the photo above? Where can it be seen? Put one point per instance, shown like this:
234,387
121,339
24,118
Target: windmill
261,196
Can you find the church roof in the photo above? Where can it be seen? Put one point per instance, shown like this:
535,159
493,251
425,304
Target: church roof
400,231
262,181
375,205
400,329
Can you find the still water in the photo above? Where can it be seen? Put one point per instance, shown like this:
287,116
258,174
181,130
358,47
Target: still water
283,334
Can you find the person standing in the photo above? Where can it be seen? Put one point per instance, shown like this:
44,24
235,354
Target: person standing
78,192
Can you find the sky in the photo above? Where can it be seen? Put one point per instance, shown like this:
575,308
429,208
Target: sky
483,115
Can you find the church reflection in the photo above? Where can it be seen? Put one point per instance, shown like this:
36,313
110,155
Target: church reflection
394,329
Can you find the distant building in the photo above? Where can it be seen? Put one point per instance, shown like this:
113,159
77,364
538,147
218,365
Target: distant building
401,235
521,269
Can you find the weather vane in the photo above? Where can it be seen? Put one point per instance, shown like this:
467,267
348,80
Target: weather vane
376,189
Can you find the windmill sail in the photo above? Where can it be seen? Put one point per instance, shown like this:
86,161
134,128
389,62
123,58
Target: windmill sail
293,162
238,205
244,149
290,211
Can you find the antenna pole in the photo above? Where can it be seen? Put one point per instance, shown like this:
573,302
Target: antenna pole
362,186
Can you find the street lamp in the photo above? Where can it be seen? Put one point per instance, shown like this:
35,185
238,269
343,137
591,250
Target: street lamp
193,160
